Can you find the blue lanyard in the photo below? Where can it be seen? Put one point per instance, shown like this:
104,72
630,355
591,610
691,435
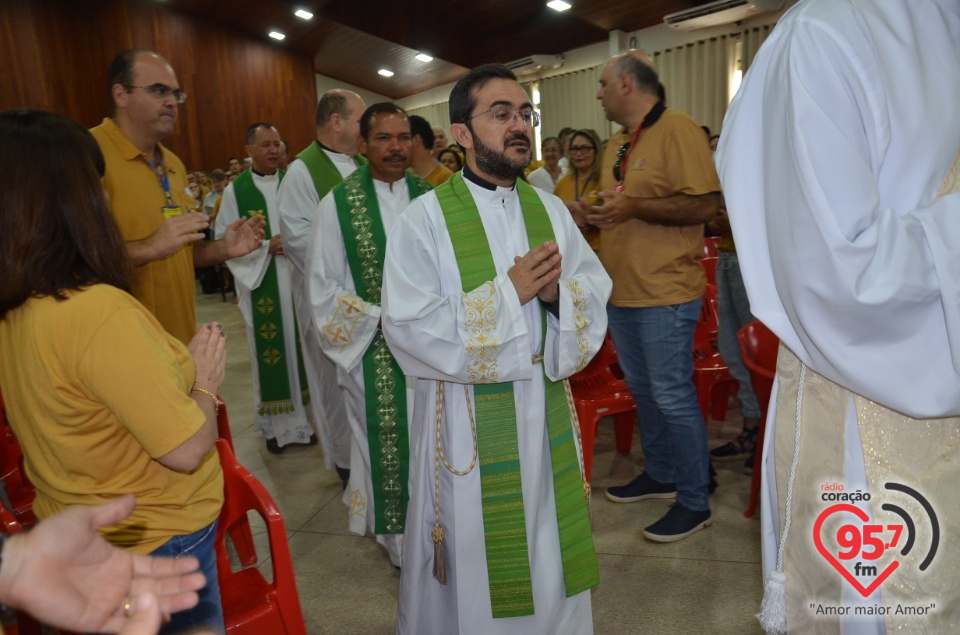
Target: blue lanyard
161,173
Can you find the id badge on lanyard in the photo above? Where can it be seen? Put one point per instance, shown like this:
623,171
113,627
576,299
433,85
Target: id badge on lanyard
169,210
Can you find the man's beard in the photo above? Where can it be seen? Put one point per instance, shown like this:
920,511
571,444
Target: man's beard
498,164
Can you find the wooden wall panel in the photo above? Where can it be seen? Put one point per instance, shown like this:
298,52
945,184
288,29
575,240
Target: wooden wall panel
55,55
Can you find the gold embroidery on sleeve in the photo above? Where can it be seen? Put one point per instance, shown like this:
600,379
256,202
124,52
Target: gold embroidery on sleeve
338,332
579,299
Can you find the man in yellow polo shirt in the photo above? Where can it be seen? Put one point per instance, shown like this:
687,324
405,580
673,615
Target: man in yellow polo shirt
659,187
147,187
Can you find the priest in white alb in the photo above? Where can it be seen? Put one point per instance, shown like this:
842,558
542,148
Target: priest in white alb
284,412
491,299
344,266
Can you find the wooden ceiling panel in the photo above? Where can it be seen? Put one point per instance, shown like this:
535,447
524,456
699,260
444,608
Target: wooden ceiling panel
350,40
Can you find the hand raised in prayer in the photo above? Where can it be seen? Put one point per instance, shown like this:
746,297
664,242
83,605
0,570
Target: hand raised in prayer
243,236
276,246
208,348
175,232
68,575
539,268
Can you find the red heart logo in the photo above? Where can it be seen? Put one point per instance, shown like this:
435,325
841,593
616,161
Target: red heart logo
862,515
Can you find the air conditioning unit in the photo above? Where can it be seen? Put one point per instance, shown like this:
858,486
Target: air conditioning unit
535,63
720,12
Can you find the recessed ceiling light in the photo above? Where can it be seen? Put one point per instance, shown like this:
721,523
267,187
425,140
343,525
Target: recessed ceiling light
303,14
385,72
559,5
423,57
277,35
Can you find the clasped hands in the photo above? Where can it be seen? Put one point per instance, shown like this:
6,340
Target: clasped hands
537,273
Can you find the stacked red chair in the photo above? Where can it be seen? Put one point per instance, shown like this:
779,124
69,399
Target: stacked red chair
759,347
599,390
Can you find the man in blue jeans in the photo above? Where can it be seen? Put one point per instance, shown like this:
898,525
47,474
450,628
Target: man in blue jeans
659,187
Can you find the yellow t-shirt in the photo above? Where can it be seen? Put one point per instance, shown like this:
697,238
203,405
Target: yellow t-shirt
166,287
657,265
95,391
566,191
439,175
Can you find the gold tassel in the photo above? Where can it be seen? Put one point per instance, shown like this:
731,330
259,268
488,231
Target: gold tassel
439,561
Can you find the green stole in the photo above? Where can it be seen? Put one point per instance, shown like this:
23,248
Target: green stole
324,173
508,565
275,397
385,385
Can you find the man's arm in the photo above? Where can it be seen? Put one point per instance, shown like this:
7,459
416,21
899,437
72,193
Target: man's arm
169,237
677,210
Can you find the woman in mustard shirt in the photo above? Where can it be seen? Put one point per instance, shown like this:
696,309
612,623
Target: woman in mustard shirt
103,401
583,182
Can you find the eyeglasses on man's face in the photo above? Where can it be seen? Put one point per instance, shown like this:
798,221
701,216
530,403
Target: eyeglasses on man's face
504,114
162,91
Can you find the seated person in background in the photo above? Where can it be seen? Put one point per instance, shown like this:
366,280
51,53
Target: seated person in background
452,160
545,177
579,188
103,401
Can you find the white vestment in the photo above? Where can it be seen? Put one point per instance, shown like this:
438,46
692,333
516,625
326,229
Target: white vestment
331,293
297,208
834,161
438,333
248,272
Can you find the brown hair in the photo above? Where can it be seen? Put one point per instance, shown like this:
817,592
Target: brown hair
56,230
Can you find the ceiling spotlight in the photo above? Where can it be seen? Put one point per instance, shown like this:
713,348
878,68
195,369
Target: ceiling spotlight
423,57
385,72
303,14
559,5
277,35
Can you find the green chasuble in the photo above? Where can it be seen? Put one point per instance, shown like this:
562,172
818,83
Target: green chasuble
324,173
384,383
275,397
505,538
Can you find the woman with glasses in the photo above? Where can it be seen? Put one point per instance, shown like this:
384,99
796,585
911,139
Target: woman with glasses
546,176
579,188
103,401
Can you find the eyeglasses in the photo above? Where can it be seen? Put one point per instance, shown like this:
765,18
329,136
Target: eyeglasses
581,149
616,166
162,91
504,114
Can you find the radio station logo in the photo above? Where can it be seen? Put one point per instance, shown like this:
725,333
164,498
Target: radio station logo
855,550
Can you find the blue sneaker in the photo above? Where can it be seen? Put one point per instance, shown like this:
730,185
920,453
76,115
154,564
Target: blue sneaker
641,488
677,524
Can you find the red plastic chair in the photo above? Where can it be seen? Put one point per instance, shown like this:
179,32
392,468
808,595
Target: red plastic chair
711,246
710,312
251,605
711,377
599,390
759,347
20,493
710,268
240,534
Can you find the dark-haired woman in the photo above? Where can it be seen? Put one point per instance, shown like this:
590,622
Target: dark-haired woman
103,401
580,186
451,159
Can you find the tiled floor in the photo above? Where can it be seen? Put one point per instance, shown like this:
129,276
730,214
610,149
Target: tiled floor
707,584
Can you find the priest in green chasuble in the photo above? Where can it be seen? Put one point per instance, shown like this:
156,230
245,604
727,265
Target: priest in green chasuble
284,411
491,299
344,268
